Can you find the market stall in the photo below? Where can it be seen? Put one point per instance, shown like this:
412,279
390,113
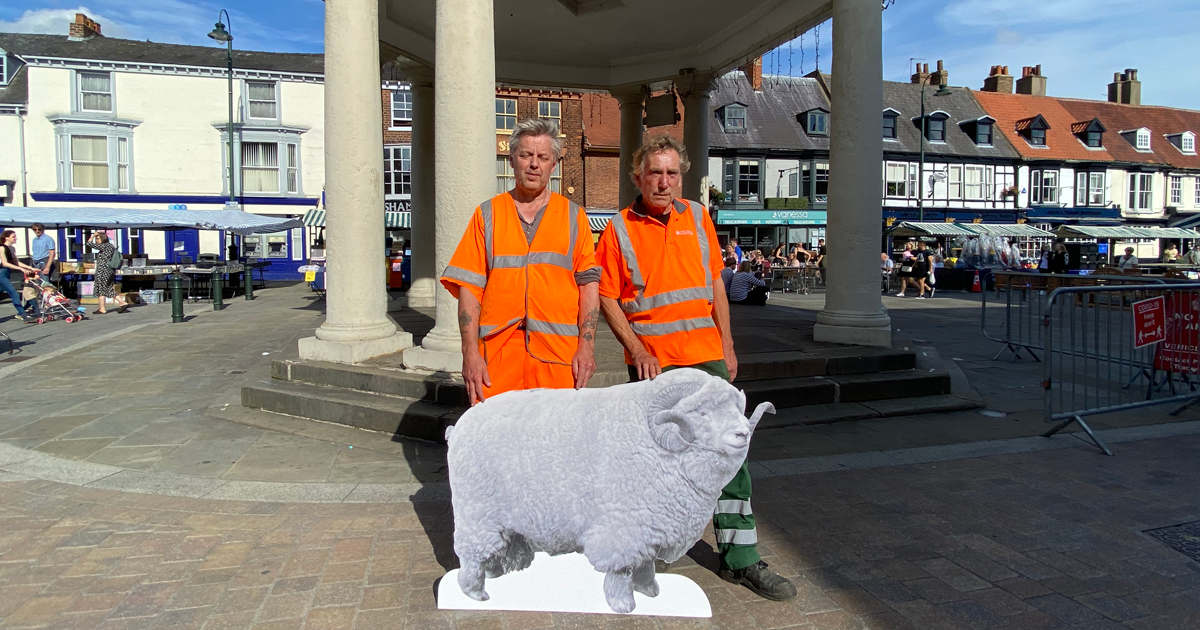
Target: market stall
975,248
1109,242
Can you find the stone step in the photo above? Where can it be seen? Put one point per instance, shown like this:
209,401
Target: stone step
391,414
847,388
849,412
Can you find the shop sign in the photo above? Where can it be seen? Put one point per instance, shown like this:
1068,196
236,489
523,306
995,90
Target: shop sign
502,145
771,217
1180,350
397,205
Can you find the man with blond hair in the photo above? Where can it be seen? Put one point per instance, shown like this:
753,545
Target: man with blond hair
662,294
525,276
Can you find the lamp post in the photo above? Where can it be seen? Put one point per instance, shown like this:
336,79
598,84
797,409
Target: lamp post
220,34
942,91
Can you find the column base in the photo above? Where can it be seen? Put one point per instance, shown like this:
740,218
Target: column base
419,358
422,293
420,301
316,349
853,328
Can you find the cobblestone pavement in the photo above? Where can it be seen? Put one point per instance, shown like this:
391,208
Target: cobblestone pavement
1036,541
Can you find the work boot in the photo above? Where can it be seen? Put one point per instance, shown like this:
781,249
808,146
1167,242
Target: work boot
764,582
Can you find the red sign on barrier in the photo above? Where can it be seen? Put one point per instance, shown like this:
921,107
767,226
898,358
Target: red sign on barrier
1180,351
1149,322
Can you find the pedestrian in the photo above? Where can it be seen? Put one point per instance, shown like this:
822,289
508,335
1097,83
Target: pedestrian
1171,254
906,268
1060,259
105,272
527,312
1128,261
42,250
1044,260
8,264
745,288
921,266
689,330
777,257
886,267
731,264
822,252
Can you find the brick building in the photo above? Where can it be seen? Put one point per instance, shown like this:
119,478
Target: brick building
601,149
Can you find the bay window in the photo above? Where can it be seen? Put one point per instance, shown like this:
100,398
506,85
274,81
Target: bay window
1140,191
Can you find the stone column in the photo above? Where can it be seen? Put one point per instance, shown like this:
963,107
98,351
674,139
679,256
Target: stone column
464,90
695,135
422,291
632,106
356,324
854,313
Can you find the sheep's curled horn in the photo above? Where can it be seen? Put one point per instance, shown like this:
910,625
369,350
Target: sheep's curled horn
669,427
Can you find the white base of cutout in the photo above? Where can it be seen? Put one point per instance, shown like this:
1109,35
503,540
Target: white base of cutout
569,584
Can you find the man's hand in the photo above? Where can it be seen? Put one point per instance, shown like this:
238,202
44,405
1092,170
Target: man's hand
647,366
475,373
731,362
583,365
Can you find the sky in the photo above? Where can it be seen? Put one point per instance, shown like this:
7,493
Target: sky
1079,43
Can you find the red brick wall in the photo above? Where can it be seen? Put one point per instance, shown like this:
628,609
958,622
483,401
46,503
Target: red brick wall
603,181
389,136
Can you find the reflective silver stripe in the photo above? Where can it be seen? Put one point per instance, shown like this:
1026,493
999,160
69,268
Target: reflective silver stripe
488,229
702,239
550,258
628,253
737,536
507,262
550,328
573,219
470,277
734,507
484,331
654,330
638,305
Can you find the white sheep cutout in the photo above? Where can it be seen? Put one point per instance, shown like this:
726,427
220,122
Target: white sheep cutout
623,475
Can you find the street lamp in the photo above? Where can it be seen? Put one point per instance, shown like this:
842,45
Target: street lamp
220,34
942,91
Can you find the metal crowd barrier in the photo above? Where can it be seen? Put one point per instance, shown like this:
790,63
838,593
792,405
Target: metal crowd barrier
1092,362
1025,307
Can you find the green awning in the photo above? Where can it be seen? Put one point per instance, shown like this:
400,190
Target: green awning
1021,230
391,220
908,228
1124,232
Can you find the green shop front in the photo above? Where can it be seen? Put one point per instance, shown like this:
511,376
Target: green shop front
767,229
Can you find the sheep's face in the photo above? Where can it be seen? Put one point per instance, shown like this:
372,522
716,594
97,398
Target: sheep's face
704,414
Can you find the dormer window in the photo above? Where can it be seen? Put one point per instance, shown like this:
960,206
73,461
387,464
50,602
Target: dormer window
1139,138
735,117
1090,133
816,121
1185,142
983,134
980,130
1034,130
889,123
935,126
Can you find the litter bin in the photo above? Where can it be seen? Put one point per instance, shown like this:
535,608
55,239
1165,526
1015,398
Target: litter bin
396,271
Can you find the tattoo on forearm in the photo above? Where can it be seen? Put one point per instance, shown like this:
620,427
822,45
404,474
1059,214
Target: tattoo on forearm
590,320
464,321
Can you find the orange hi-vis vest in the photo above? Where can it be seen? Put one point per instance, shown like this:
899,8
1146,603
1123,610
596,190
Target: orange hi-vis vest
667,292
528,285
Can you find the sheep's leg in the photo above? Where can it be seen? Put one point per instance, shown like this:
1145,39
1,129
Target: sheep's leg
618,590
476,550
644,581
516,555
470,580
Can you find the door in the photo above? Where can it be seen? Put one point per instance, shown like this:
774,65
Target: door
181,244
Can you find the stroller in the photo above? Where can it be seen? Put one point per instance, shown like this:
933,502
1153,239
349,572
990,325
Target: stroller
53,303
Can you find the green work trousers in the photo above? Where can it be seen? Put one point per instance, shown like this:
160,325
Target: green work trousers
733,521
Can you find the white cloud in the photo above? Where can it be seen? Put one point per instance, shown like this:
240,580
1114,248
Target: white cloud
56,21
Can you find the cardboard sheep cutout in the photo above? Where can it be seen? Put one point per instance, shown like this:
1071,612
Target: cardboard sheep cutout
623,475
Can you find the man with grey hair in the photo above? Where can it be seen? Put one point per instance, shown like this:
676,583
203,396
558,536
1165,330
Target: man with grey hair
525,276
664,298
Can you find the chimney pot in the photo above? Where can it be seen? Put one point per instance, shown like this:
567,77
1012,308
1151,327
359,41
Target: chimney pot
998,81
83,28
1032,82
1125,88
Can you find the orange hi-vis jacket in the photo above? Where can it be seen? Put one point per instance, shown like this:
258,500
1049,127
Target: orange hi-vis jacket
662,275
527,285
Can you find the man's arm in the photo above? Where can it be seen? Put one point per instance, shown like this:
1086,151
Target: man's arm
50,258
475,371
646,364
720,313
583,364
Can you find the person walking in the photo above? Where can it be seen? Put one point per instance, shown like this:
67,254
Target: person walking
525,276
906,268
673,312
822,252
921,266
1060,259
42,250
105,273
8,264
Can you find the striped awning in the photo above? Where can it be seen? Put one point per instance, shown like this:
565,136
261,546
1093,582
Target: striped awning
1125,231
391,220
908,228
1008,229
598,222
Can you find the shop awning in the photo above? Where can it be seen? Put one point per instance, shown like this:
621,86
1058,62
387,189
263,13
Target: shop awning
1104,231
234,221
392,220
930,229
598,222
1190,220
1020,230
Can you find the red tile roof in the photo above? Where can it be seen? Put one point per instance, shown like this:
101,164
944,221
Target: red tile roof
1161,121
1061,143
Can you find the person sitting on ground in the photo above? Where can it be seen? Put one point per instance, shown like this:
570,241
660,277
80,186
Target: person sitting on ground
744,288
731,264
1128,261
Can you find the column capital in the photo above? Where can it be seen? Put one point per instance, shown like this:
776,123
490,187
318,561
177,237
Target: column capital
693,84
629,95
413,72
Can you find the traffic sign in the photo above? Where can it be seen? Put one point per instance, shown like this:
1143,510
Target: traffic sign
1149,322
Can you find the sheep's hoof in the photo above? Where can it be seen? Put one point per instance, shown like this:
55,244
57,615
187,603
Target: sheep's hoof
649,590
479,596
622,604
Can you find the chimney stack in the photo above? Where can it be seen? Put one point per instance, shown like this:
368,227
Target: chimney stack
83,28
922,73
1032,82
941,77
998,81
753,72
1125,88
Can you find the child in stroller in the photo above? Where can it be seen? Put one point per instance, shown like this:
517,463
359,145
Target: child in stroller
53,303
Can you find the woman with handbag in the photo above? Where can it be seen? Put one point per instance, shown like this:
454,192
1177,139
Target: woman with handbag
907,269
108,260
8,264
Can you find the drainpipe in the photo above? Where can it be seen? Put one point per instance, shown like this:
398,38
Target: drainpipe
21,136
